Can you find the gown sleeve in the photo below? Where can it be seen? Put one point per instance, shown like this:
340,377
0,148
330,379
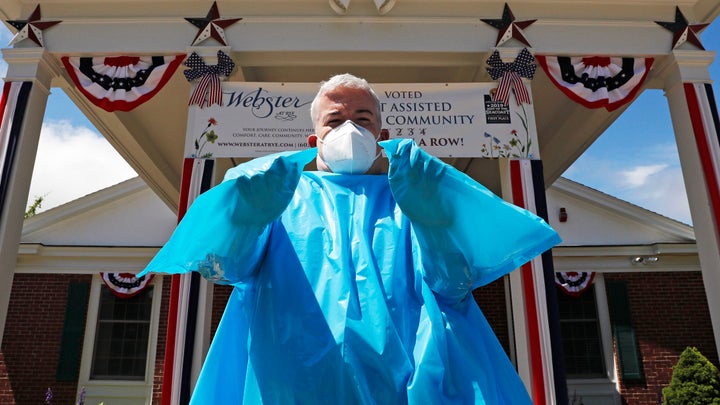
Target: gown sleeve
467,236
224,232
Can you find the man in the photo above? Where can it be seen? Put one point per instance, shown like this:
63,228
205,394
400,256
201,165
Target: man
347,98
352,285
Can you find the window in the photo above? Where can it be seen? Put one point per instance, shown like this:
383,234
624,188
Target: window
580,329
122,336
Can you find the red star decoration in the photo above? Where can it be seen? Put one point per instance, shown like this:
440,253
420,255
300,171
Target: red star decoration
31,28
211,26
508,27
682,31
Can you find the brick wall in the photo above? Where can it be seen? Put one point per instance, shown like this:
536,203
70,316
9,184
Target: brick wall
31,344
491,299
669,312
6,393
221,293
161,339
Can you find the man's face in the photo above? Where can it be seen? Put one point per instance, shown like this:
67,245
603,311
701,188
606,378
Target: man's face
342,104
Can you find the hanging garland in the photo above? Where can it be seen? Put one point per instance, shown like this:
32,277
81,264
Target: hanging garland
125,285
574,283
120,83
597,81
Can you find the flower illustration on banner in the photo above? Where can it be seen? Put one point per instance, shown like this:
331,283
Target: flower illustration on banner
207,135
517,147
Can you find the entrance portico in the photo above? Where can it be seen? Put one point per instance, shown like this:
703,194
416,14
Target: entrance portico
412,41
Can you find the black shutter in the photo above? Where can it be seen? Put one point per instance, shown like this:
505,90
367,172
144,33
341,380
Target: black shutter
625,341
72,335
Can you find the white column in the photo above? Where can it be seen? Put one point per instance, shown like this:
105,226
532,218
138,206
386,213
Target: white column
527,286
519,311
205,298
32,65
697,142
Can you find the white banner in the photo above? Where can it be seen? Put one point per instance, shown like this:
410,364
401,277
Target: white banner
445,119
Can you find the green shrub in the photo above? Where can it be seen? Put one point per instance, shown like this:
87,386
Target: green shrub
695,381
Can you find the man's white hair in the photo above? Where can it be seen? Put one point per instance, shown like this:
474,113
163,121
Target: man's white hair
342,80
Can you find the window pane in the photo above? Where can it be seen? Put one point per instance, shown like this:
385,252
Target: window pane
121,336
580,329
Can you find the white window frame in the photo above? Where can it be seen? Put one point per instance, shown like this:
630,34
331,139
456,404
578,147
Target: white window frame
599,390
118,391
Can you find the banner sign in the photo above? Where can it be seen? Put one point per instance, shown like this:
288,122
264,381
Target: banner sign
445,119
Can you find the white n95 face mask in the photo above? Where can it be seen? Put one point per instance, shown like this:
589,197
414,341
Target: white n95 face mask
349,149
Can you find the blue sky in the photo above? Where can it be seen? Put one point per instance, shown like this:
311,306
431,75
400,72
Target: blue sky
635,159
73,159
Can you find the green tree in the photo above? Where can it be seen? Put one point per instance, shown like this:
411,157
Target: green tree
32,209
695,381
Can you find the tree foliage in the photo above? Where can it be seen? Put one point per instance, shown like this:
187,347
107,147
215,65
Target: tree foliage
32,209
695,381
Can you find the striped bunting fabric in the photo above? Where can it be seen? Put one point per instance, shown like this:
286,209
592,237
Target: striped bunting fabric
125,285
574,283
13,103
121,83
597,81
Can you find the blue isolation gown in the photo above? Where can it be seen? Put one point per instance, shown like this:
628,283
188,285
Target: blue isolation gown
354,289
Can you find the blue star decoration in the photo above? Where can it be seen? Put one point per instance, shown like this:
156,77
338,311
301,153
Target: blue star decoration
508,27
31,28
682,31
211,26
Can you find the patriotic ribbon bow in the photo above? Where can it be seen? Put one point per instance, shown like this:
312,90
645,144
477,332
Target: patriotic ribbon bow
208,90
510,76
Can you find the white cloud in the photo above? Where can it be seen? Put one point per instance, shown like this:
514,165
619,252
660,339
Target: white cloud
658,187
638,176
73,161
662,191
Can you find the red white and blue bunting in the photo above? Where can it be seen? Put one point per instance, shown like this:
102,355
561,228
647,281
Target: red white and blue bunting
574,283
528,191
121,83
125,285
597,81
705,122
13,103
197,177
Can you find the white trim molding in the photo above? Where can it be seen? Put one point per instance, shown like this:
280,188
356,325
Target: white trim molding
34,258
661,257
121,392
